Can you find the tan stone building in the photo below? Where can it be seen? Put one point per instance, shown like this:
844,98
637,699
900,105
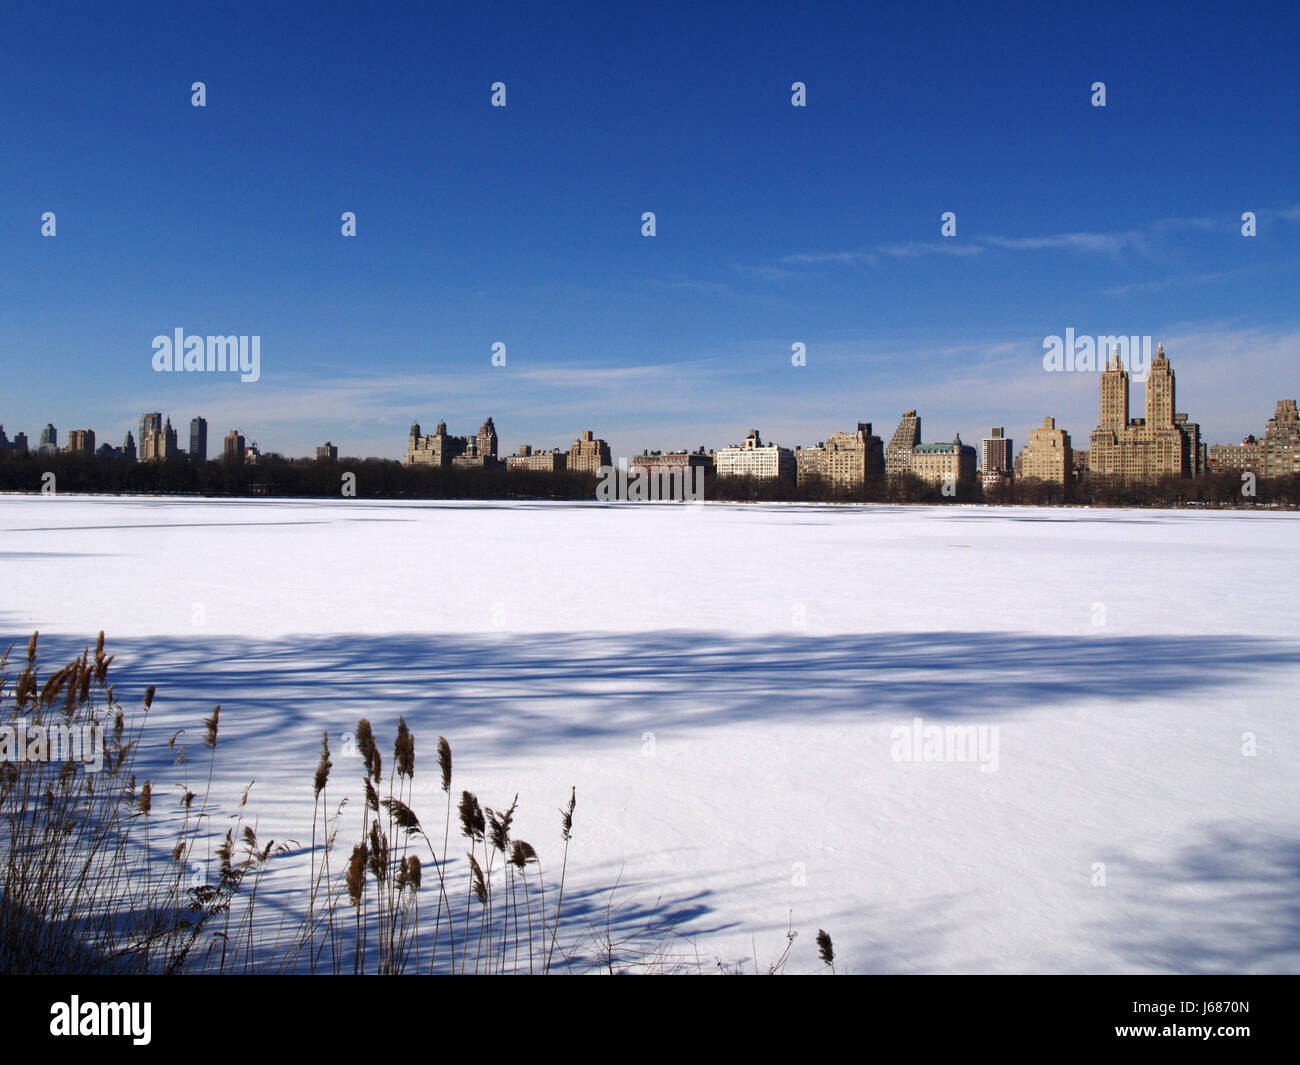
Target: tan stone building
1277,455
898,456
588,455
233,450
953,463
1281,447
1246,457
844,460
1164,443
753,458
81,441
440,449
1047,456
158,442
537,461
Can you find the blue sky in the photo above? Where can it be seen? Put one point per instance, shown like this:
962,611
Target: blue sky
522,224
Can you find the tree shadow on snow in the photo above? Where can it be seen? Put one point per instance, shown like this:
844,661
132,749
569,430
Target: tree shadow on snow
1227,903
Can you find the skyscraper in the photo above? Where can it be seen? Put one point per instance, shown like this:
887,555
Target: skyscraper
846,460
898,456
234,447
487,441
1047,456
995,452
199,440
588,454
81,442
1164,443
1281,446
149,424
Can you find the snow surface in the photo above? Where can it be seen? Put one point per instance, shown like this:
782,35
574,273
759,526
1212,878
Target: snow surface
721,684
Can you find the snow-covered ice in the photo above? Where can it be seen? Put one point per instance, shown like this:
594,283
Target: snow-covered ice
723,684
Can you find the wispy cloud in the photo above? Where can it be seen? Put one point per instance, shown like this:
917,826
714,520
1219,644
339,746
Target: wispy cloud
1105,243
1141,240
816,258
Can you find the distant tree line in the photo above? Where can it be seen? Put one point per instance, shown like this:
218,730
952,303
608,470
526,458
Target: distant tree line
1207,489
275,475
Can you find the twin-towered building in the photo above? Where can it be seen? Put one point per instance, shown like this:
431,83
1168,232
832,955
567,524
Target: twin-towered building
442,450
1164,443
587,454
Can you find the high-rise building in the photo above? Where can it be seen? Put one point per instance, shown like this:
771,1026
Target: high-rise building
1246,457
1164,443
199,440
168,448
486,441
588,455
437,449
81,441
1276,455
1048,455
995,452
480,449
159,441
1281,449
49,439
1195,447
898,456
233,449
753,458
149,424
128,447
845,460
955,463
441,449
326,452
20,442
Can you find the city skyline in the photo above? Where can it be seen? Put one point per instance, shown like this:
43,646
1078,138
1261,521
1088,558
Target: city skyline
776,225
1141,448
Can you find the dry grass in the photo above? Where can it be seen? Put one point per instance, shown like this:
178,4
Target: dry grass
81,890
104,873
